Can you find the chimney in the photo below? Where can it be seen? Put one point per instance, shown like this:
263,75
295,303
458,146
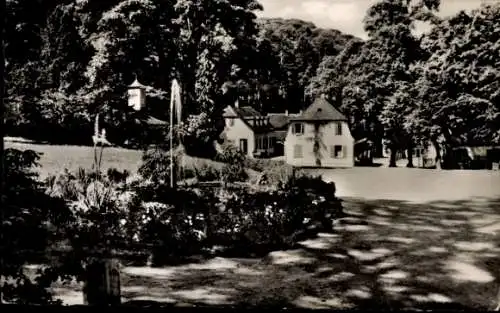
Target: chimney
237,103
300,112
286,112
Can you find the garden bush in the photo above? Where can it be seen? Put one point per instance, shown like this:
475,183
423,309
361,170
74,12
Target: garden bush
181,222
262,165
29,216
148,217
279,174
276,218
206,173
198,133
99,205
234,164
156,167
171,221
230,154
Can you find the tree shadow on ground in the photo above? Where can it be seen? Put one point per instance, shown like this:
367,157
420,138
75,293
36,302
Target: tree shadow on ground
384,254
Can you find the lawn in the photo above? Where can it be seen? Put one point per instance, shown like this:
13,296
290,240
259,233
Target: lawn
56,158
414,238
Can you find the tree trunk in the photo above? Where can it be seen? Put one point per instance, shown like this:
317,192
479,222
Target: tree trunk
378,147
410,154
392,160
438,154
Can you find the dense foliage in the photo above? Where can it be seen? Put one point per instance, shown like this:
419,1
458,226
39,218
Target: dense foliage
398,87
440,87
76,59
240,220
458,82
29,219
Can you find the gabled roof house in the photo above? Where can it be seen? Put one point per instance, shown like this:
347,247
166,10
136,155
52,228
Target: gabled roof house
319,137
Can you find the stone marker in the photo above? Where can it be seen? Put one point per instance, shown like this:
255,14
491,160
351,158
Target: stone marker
102,284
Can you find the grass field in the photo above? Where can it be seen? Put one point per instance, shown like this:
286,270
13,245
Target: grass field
414,239
56,158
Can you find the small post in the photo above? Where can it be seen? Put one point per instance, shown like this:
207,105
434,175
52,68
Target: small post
102,284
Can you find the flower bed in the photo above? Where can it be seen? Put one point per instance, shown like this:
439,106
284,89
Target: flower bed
172,224
241,220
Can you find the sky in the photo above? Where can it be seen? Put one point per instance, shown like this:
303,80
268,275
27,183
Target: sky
346,15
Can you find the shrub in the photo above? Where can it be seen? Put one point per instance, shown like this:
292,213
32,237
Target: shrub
28,218
185,222
232,173
171,221
175,223
230,154
155,165
116,176
279,175
277,219
234,167
206,172
97,202
261,165
198,133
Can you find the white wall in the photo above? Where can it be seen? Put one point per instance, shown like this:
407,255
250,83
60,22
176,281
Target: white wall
328,138
240,130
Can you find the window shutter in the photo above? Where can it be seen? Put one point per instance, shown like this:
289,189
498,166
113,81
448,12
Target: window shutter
297,151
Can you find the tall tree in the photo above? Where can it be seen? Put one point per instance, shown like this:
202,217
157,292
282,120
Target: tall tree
22,45
459,83
215,39
131,37
297,48
367,76
390,23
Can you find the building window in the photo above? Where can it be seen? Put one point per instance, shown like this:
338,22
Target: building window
230,122
297,151
244,146
298,129
265,143
339,129
258,143
336,152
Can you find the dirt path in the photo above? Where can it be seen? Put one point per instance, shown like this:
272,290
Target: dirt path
414,185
